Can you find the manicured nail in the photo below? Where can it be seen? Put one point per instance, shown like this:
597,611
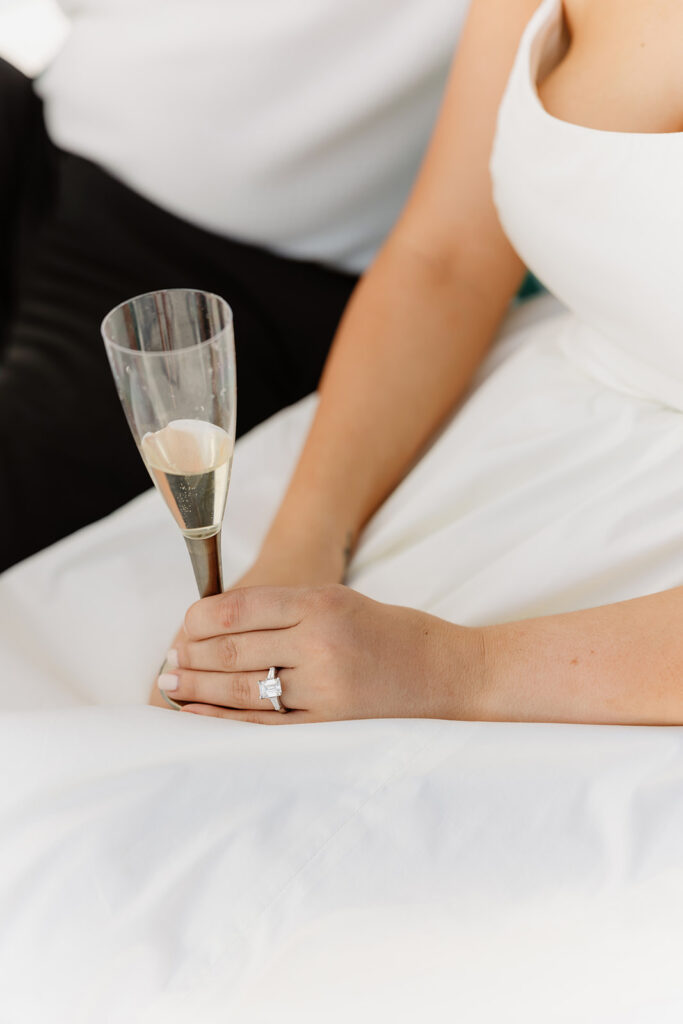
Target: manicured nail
172,658
167,681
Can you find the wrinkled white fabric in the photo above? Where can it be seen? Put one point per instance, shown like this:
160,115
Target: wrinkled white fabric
162,870
155,868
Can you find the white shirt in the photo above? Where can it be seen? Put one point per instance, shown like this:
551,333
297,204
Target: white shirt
297,125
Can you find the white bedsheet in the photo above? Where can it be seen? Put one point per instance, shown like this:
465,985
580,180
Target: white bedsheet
161,868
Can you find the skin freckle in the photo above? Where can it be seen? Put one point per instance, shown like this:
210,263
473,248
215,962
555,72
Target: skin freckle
574,661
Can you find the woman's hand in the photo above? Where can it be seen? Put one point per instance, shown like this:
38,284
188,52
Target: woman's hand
339,655
284,561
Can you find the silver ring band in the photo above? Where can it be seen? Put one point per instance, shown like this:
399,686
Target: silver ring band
271,689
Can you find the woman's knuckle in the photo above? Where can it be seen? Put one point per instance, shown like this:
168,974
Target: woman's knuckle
331,598
231,607
228,649
332,656
241,694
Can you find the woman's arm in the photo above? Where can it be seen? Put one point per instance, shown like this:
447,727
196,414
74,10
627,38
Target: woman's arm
618,664
417,326
345,656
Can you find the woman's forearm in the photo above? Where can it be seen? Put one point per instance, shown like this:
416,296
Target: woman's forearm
413,335
618,664
421,320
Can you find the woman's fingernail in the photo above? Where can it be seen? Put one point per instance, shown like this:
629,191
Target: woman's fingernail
167,681
172,658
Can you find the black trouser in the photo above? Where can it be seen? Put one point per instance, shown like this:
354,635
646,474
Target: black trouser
74,242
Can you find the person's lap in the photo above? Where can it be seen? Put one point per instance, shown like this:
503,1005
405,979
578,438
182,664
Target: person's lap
547,493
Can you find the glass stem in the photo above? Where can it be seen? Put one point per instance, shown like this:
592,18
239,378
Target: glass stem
205,554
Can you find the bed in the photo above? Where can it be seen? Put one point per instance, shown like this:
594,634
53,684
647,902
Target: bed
158,867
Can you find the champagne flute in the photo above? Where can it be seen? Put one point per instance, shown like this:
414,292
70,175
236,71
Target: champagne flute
172,354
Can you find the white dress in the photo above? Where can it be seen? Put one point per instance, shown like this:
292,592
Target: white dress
200,866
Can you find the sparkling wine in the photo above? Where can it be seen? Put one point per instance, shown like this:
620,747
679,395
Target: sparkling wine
190,462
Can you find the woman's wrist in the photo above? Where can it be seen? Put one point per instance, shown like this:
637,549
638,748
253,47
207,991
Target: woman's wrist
307,553
454,671
494,691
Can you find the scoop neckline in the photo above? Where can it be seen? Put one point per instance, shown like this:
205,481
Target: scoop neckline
555,9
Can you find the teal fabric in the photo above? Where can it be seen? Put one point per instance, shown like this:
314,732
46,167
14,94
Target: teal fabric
530,286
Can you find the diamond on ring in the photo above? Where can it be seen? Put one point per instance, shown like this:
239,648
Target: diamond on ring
269,688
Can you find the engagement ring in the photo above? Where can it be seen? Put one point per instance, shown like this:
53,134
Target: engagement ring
271,689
